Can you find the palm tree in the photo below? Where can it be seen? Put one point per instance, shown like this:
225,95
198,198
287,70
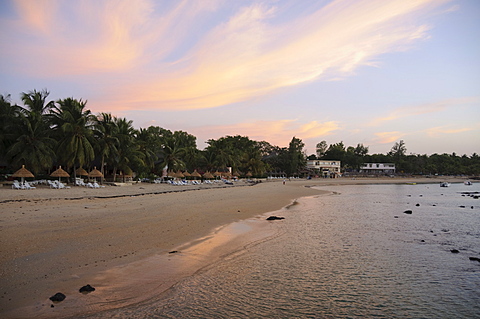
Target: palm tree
75,126
128,154
33,147
9,123
172,154
106,140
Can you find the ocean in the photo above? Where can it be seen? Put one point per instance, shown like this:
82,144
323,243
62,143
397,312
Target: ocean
353,253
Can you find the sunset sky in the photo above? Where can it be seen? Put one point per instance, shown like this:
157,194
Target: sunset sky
357,71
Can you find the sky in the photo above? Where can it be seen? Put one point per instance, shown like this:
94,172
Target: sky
354,71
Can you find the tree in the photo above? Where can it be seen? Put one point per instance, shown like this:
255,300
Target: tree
128,154
74,125
336,152
32,144
106,140
296,156
321,148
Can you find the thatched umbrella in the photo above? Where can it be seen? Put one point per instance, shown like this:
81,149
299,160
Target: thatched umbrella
22,173
237,173
249,174
196,174
208,175
81,172
60,173
95,173
187,174
179,174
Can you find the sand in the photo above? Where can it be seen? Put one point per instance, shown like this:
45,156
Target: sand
117,238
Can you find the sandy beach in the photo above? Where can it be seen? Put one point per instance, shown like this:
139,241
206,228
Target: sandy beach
59,240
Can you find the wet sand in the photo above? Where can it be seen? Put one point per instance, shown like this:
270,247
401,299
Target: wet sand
118,239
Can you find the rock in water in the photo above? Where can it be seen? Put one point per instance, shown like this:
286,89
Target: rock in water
275,218
58,297
86,289
408,212
454,251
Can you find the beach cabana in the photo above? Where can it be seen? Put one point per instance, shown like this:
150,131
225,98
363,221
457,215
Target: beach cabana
22,173
81,172
196,174
95,173
59,173
208,175
179,174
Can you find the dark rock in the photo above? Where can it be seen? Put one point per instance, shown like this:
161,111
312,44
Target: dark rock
474,258
86,289
417,205
173,252
395,216
408,212
58,297
461,206
454,251
275,218
422,241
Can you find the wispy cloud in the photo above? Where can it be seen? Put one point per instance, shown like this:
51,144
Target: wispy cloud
275,132
158,62
448,130
387,137
414,110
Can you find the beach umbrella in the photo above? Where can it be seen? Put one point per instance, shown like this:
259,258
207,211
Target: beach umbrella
171,174
81,172
196,174
187,174
249,174
95,173
60,173
208,175
179,174
22,173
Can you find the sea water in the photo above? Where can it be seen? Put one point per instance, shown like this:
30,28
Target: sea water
353,253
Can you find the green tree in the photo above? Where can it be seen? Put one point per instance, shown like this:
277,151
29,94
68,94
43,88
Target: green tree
296,156
106,140
321,149
74,125
128,154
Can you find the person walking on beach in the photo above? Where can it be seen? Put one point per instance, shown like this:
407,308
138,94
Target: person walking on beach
283,182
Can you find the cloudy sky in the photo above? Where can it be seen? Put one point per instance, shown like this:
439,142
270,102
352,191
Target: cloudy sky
357,71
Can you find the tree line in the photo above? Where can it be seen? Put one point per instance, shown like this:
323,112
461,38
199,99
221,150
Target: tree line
45,134
442,164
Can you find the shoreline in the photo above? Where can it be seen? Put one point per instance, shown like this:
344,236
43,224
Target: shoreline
53,240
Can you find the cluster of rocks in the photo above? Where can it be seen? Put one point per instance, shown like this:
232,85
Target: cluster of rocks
59,297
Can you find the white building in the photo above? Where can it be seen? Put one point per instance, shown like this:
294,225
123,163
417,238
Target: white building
378,168
325,168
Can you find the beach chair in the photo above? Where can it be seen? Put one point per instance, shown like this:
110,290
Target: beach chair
90,185
95,184
17,185
28,186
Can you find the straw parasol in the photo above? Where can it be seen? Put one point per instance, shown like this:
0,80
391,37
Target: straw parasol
249,174
179,174
217,174
208,175
95,173
60,173
196,174
187,174
81,172
22,173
